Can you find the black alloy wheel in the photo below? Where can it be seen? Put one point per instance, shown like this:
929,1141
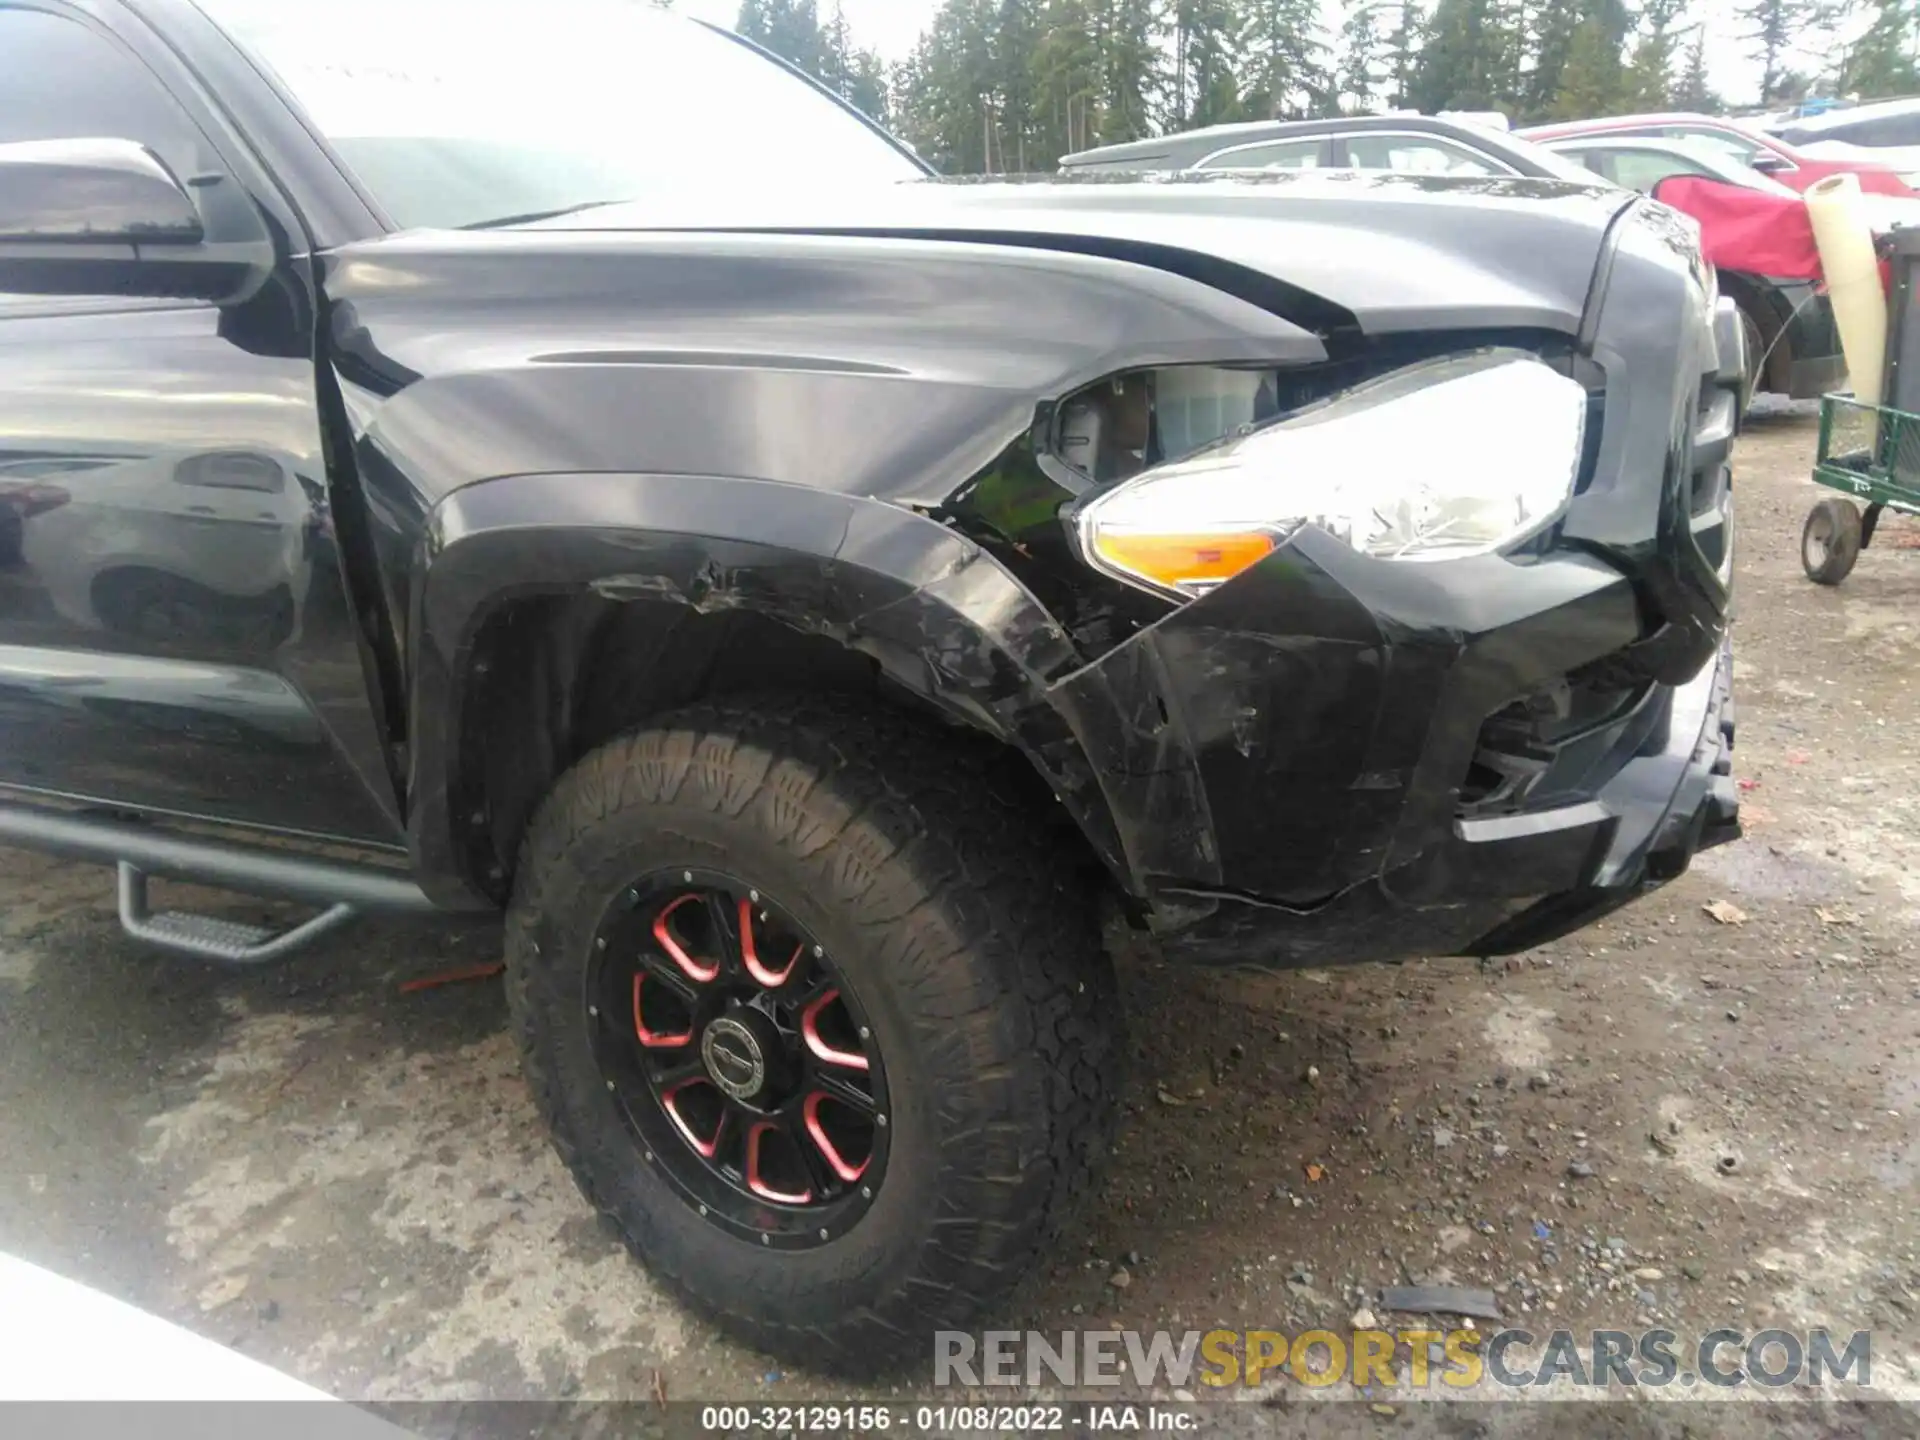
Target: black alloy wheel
813,1003
739,1056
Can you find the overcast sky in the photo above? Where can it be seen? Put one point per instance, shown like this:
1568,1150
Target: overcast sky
891,27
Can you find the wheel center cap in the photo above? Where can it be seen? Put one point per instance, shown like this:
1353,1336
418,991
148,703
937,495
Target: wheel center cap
733,1058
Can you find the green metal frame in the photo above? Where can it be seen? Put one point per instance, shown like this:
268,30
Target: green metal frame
1871,452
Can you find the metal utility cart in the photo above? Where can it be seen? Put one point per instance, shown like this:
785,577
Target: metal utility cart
1870,453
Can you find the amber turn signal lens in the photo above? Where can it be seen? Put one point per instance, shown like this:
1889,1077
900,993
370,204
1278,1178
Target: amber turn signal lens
1184,560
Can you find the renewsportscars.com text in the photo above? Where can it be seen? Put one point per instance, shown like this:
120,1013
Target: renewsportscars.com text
1513,1359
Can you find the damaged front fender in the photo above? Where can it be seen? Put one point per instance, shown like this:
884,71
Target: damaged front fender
939,617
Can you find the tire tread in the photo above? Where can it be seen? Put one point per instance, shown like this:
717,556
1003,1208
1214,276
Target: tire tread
986,927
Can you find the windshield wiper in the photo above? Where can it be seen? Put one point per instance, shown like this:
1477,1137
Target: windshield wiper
533,215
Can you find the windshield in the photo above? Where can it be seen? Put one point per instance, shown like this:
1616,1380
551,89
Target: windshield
472,112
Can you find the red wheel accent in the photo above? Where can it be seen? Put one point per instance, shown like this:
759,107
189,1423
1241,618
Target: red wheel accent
647,1037
704,1148
810,1031
695,971
759,1186
751,953
846,1172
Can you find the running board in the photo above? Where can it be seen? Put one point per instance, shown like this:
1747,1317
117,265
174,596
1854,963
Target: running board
226,942
139,851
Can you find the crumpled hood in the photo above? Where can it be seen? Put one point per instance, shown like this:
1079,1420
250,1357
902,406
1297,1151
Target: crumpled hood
1388,252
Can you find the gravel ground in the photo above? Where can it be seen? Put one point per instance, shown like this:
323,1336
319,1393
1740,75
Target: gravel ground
1701,1113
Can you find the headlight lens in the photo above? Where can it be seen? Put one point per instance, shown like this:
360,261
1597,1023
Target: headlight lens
1451,457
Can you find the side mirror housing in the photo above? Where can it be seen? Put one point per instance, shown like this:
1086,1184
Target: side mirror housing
106,217
92,191
1768,163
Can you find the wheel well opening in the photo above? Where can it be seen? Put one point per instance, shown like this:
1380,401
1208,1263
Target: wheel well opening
1778,367
554,677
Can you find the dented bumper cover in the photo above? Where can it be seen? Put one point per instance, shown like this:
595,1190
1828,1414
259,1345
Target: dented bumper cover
1336,758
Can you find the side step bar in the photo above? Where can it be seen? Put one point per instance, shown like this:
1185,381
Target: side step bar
139,851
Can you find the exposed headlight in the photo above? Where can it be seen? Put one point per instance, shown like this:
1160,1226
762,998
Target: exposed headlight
1447,458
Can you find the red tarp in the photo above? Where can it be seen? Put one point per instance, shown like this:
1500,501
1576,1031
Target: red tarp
1742,229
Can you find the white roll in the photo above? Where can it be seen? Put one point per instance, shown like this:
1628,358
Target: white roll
1843,233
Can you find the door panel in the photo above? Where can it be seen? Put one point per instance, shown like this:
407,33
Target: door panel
174,633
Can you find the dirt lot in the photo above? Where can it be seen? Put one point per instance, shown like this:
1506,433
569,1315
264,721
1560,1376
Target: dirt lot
346,1180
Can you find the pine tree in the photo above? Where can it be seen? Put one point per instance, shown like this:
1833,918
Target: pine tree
1550,30
858,76
1067,78
1774,28
1694,92
1364,57
1650,78
1471,58
947,100
1129,35
1593,82
1205,53
1284,72
1016,35
1403,51
1882,62
789,28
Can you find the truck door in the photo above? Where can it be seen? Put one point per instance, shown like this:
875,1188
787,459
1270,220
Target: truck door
175,636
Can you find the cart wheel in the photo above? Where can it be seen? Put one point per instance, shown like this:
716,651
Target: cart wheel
1830,543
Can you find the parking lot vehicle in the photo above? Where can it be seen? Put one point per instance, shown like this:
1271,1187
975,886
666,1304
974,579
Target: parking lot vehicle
1885,125
1414,144
1740,142
795,605
1792,346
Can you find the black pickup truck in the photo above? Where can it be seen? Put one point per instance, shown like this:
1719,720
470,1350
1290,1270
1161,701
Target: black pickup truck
796,590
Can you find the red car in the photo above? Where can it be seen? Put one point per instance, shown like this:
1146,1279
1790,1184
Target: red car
1793,168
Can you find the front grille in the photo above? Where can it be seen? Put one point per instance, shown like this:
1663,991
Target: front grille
1523,745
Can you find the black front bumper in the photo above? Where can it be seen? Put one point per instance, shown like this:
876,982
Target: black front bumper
1410,864
1334,758
1664,806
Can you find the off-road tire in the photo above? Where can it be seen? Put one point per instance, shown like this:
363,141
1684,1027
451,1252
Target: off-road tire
970,945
